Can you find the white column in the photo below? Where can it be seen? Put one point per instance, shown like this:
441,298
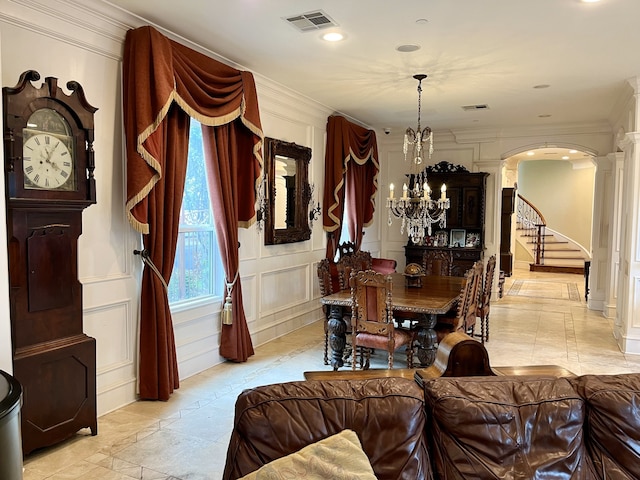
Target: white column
627,319
612,266
602,219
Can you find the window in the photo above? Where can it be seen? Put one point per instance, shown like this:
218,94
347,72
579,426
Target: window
344,233
197,270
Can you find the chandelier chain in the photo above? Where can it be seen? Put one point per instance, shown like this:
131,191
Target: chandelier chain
419,104
415,207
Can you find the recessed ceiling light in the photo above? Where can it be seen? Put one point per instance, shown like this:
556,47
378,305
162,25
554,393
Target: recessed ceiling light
590,1
573,151
565,157
408,48
531,153
333,37
422,21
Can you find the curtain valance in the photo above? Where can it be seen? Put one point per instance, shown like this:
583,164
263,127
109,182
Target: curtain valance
346,141
349,147
159,72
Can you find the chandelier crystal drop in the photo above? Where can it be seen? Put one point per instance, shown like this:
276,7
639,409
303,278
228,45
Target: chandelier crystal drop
415,208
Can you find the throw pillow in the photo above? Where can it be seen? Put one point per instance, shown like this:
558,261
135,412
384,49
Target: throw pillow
339,457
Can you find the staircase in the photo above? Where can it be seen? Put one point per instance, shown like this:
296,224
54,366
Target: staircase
551,251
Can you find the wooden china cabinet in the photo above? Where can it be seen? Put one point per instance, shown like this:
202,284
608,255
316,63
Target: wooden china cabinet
465,220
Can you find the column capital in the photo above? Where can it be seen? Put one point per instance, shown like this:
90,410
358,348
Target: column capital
635,84
629,139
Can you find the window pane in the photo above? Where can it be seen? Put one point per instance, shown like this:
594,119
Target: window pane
192,275
196,265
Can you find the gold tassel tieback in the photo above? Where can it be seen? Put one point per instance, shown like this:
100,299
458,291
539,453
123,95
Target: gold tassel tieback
227,309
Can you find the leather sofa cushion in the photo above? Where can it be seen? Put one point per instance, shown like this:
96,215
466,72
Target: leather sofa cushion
387,414
339,457
507,427
613,422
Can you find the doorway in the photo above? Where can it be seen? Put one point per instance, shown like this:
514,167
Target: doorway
558,184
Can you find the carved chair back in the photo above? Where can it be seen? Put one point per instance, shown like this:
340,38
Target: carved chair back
372,319
484,305
328,277
475,293
346,248
437,262
371,302
468,302
354,262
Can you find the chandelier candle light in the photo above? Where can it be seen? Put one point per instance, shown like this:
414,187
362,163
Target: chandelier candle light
415,208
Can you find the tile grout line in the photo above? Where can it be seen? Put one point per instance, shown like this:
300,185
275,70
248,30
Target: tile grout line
571,340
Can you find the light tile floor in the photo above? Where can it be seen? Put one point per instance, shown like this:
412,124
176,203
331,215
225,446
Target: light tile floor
542,319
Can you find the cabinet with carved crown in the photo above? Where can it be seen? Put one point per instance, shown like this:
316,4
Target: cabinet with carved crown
453,249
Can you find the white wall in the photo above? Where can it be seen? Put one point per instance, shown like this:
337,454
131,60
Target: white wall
279,282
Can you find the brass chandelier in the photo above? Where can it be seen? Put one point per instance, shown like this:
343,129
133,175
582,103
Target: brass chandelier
416,209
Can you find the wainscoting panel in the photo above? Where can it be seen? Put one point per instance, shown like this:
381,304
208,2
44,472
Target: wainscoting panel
284,288
113,326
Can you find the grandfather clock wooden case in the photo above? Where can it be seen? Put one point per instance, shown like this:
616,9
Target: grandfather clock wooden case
48,142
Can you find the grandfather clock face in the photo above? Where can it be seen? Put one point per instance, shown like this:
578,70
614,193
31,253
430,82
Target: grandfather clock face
48,141
48,159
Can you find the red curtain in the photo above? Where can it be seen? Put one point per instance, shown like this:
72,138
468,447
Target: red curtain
221,151
163,80
360,181
349,147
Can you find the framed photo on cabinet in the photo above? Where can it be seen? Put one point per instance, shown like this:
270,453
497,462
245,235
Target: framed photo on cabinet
457,238
473,240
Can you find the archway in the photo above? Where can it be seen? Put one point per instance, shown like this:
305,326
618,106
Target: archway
558,179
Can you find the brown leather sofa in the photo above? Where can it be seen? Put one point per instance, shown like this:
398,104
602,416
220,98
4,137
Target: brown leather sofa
585,427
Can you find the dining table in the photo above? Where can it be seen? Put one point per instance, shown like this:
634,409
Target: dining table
434,295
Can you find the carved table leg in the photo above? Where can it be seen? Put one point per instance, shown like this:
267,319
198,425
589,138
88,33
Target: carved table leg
337,335
427,340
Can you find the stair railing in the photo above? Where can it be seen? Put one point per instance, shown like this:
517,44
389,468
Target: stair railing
534,224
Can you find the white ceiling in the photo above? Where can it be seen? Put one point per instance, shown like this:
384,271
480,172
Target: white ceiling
474,52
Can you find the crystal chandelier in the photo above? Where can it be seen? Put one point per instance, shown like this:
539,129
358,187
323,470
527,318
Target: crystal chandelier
415,207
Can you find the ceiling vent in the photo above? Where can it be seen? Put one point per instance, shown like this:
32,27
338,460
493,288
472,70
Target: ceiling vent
475,107
311,21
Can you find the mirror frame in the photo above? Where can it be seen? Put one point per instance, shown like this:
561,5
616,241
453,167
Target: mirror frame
301,230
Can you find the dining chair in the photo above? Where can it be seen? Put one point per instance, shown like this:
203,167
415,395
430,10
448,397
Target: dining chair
372,321
474,298
384,265
355,262
346,248
437,262
463,318
484,304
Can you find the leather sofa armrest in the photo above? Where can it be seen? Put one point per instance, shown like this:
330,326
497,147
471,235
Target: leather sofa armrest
613,422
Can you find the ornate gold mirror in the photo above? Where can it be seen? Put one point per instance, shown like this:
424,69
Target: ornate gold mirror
288,192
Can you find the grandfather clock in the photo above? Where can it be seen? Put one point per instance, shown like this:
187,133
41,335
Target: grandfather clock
48,149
